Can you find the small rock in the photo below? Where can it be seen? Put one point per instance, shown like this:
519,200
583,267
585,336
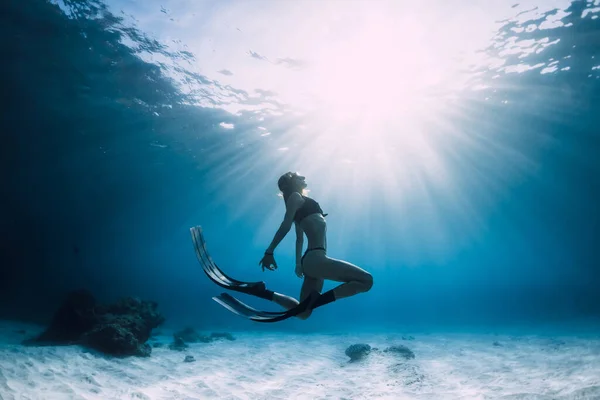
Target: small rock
189,359
358,351
400,350
497,344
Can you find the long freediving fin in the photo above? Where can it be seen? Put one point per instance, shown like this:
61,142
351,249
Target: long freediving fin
237,307
217,275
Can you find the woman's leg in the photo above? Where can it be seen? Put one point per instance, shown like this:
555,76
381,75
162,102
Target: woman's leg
319,267
309,285
356,280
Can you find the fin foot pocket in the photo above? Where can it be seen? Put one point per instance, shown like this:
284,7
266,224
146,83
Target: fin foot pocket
216,275
237,307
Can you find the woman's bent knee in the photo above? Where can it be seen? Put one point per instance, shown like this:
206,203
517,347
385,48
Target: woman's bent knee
368,282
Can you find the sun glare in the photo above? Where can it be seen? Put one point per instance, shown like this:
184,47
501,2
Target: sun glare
364,97
371,95
380,72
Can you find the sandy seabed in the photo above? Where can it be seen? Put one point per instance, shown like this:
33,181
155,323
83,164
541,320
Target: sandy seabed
309,366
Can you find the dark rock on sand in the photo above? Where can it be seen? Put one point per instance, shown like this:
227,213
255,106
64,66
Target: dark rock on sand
116,339
112,339
119,329
138,316
358,351
400,350
189,359
124,327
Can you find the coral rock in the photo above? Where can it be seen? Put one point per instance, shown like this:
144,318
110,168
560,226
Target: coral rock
358,351
117,329
400,350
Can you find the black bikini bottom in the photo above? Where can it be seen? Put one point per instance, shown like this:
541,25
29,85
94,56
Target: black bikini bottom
308,251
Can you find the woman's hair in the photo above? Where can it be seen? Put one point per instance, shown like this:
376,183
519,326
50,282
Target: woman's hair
284,184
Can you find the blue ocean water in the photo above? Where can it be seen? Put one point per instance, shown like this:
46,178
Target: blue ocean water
453,145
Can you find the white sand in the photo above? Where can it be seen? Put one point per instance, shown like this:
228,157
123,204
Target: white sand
286,366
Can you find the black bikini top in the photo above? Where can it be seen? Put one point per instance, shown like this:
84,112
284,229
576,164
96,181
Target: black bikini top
309,207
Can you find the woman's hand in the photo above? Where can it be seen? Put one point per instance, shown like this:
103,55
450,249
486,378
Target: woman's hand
268,262
299,272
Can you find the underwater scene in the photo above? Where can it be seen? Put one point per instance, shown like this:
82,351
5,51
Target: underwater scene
277,199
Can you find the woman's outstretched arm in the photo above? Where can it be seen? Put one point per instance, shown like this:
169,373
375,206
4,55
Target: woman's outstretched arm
294,202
